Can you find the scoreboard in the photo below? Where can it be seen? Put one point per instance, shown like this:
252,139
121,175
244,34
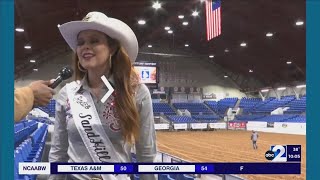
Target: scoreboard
160,168
285,159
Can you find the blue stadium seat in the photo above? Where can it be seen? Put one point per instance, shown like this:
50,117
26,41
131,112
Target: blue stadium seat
136,177
181,119
221,106
272,103
185,177
163,177
50,108
164,108
193,108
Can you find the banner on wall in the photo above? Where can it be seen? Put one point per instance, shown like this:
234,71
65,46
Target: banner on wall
161,90
209,96
270,124
237,125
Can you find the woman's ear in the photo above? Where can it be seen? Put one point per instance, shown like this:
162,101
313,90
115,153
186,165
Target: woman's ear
113,50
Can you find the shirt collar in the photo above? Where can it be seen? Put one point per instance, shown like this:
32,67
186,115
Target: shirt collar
85,86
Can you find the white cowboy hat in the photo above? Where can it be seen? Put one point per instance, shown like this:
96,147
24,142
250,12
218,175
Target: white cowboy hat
114,28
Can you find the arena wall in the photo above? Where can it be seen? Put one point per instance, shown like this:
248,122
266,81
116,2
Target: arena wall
277,127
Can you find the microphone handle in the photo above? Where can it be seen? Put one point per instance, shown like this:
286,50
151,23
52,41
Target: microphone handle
56,82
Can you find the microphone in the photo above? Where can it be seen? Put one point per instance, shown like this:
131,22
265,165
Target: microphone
65,73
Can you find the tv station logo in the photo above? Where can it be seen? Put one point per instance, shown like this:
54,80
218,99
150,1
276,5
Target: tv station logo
277,153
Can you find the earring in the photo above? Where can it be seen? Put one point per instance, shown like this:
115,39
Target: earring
110,61
81,68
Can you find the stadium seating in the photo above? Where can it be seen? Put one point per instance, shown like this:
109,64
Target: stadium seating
174,177
31,148
180,119
297,106
249,117
22,130
276,118
164,108
193,108
247,104
257,106
206,118
297,119
225,104
186,177
272,104
136,177
50,108
213,105
222,106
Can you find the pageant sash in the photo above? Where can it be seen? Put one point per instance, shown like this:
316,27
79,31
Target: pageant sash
87,121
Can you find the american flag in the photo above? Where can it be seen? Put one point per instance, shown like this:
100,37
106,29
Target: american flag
213,14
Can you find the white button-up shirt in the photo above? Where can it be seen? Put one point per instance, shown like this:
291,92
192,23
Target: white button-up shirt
67,145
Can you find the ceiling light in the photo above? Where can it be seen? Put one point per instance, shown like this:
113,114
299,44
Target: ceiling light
141,22
226,50
58,25
185,23
202,1
250,70
181,16
149,46
32,61
225,76
35,69
170,31
243,44
269,34
301,86
27,47
19,30
299,23
281,88
156,5
211,56
264,90
167,28
186,45
289,62
195,13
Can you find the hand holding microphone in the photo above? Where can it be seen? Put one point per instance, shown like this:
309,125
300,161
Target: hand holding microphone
43,90
65,73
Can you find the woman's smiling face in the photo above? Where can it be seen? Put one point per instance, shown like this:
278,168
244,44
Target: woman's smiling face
93,50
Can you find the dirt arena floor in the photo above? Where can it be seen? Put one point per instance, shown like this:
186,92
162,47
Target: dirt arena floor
224,146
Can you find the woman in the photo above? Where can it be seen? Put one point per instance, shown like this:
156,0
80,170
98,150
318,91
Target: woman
87,129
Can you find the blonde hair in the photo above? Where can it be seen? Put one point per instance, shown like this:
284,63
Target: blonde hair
126,81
